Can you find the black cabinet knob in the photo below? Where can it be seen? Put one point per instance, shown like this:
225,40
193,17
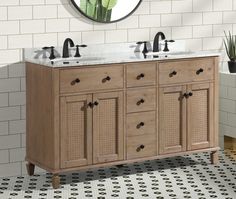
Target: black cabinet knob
76,81
108,78
141,147
173,73
142,75
96,103
199,71
140,125
187,95
140,102
90,104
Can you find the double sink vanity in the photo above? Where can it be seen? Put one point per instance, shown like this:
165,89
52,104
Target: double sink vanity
120,108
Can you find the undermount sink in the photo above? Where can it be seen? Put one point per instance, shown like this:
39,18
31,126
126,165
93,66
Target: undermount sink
170,53
76,59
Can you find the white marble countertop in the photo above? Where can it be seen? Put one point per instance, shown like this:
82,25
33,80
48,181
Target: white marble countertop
111,58
110,54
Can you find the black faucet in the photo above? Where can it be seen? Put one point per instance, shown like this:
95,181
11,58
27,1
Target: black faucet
156,42
65,52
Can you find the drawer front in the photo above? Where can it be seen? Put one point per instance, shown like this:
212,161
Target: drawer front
143,74
141,100
186,71
141,146
141,123
85,79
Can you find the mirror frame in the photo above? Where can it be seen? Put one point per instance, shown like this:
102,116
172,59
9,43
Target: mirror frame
81,12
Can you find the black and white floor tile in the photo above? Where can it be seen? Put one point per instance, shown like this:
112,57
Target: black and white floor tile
189,176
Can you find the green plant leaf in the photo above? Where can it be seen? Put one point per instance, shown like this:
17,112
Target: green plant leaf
230,46
83,5
109,4
93,2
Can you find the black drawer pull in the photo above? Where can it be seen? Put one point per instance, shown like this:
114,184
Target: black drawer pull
76,81
199,71
140,76
140,102
173,73
140,125
141,147
108,78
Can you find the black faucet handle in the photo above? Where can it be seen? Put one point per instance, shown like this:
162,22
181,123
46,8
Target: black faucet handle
77,54
166,49
145,50
82,46
52,55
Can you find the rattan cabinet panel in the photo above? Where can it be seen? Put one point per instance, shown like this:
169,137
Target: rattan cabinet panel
200,116
172,116
76,131
108,127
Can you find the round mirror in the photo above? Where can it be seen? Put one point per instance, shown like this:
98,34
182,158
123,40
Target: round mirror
106,11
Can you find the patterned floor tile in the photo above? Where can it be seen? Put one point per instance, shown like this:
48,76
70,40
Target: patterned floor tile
189,176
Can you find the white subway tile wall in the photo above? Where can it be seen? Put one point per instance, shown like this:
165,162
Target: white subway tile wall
38,23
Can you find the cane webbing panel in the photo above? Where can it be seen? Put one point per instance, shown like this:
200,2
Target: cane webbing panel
172,119
76,118
108,115
199,116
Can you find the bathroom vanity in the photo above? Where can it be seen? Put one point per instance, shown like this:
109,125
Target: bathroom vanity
94,115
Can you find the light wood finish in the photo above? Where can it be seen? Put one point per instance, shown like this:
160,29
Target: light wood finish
230,143
135,149
141,123
141,100
108,127
200,116
172,117
56,181
64,136
141,74
30,169
76,131
214,157
91,79
41,137
186,71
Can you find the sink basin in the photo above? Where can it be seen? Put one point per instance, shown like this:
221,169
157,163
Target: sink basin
74,60
170,53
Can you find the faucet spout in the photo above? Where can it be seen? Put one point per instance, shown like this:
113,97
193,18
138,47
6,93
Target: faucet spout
65,52
156,42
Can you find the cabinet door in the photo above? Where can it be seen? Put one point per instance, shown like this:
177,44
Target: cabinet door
172,119
108,137
76,131
200,116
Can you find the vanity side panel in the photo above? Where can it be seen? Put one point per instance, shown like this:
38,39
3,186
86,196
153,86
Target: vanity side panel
40,142
216,100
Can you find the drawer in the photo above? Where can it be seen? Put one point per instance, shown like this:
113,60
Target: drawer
143,74
141,100
141,146
141,123
85,79
186,71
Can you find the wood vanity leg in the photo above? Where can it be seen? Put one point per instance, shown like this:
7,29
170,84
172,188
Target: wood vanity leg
214,157
30,168
55,181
